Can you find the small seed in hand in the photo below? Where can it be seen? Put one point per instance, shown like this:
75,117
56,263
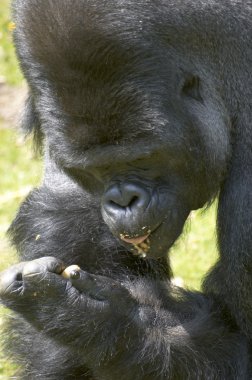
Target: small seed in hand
71,272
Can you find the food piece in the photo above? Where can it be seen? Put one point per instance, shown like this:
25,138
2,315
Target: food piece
71,272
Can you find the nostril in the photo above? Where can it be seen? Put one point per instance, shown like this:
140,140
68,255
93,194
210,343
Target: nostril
113,204
130,203
133,201
113,197
19,277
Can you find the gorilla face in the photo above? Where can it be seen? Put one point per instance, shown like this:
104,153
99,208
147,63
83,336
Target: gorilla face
137,125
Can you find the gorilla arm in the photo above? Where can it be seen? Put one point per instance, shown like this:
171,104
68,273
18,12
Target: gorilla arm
230,279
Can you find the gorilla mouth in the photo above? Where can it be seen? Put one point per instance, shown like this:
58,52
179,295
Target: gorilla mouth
140,243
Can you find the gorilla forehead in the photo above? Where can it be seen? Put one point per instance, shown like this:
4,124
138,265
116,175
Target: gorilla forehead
108,74
101,75
83,35
111,58
71,26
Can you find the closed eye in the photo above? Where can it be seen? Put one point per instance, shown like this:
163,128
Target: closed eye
191,88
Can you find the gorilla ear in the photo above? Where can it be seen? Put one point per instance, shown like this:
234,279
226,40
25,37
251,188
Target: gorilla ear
191,88
31,123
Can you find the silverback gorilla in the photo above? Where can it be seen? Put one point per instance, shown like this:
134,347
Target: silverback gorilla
144,112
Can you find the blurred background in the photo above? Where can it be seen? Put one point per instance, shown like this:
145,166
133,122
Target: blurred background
20,170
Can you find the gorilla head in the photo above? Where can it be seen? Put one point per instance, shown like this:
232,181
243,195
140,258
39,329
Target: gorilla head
133,118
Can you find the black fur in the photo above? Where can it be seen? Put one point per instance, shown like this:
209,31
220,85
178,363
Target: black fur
144,111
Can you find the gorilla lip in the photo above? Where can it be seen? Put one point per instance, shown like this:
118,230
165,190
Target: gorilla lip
136,240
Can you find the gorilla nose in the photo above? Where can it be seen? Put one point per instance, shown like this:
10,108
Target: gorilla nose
123,197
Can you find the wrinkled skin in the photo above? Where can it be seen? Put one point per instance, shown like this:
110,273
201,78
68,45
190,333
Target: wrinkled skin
143,111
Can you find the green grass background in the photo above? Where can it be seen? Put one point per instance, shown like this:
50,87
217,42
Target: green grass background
192,255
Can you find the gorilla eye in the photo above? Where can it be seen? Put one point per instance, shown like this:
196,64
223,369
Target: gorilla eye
191,88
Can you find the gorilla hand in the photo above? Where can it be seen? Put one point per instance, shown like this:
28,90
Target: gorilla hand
105,321
54,304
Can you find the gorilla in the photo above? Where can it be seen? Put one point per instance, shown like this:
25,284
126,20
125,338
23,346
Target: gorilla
143,112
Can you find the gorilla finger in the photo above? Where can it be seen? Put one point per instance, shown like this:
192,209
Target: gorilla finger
45,284
34,278
11,280
98,287
82,281
43,265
